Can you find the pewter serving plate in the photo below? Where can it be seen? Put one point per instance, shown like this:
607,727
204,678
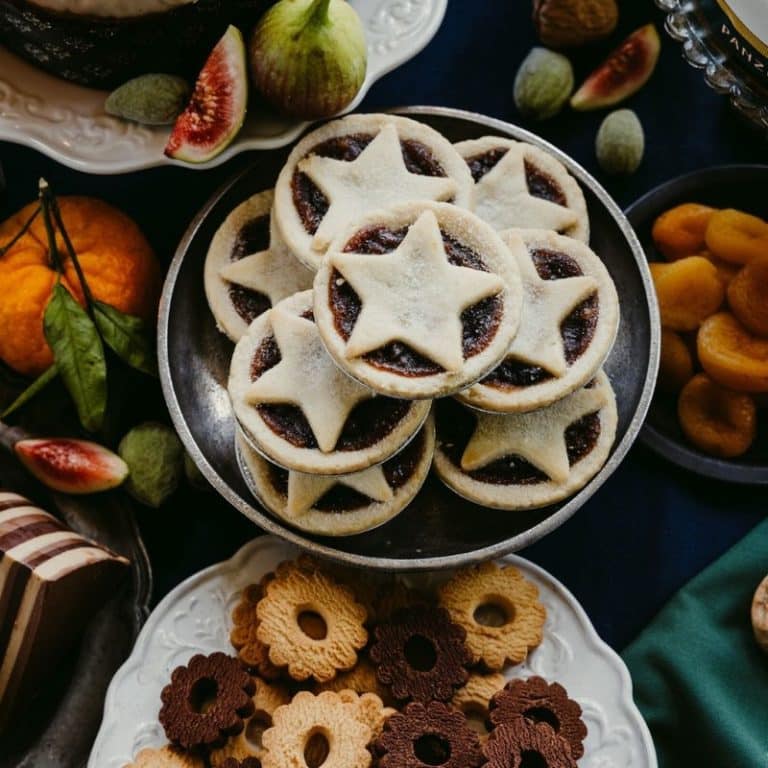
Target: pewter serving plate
67,122
439,529
195,618
729,186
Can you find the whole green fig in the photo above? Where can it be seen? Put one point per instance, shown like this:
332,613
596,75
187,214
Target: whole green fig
309,57
620,142
543,84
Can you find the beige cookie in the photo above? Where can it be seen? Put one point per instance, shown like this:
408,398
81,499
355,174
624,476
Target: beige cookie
370,710
251,651
473,698
760,614
166,757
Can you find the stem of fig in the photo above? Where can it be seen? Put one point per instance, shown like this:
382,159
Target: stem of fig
318,12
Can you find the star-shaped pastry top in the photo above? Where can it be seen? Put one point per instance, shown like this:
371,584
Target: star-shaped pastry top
308,378
546,304
538,436
502,198
414,295
376,179
272,272
305,490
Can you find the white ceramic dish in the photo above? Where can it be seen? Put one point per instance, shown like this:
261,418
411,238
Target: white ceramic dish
194,618
67,122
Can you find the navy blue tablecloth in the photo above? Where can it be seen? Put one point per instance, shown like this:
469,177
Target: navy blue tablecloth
652,527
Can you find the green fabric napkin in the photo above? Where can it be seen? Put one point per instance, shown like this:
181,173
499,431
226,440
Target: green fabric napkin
700,679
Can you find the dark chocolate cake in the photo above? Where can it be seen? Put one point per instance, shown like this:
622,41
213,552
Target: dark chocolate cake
102,50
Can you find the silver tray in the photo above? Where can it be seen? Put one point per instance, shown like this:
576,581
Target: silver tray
439,530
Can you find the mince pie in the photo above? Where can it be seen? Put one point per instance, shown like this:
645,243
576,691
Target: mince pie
299,409
361,163
248,268
520,185
526,460
568,326
340,505
419,300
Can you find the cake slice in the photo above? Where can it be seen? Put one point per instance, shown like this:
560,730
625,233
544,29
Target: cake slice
52,582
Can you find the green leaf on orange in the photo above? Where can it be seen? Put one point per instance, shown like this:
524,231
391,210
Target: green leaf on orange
127,336
79,356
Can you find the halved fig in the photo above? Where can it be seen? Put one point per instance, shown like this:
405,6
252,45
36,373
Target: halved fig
72,466
216,110
623,73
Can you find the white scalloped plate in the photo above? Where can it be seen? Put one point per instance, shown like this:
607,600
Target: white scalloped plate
194,618
68,123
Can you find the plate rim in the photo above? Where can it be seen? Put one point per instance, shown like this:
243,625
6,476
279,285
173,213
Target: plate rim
493,551
15,133
250,550
678,453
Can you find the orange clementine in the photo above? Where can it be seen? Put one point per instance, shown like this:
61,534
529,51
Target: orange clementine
118,262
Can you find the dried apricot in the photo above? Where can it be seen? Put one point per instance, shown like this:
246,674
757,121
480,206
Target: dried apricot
680,231
717,420
676,366
731,355
736,236
726,271
748,296
689,291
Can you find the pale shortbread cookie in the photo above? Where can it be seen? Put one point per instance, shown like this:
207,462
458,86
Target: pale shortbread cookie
529,460
303,500
418,300
298,408
240,283
360,164
520,185
568,327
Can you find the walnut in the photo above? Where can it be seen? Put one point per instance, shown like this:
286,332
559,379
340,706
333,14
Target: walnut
571,23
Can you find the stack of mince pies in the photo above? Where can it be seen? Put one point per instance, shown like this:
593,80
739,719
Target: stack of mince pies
390,271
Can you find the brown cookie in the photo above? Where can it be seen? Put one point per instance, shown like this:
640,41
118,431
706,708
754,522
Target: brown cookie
425,735
206,701
248,743
539,701
393,597
500,611
522,742
165,757
420,654
312,624
317,730
474,697
251,651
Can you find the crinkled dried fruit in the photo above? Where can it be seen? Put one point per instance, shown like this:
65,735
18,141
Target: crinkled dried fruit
736,236
620,143
748,295
72,466
676,367
726,271
570,23
731,355
681,231
154,99
543,84
623,73
717,420
689,291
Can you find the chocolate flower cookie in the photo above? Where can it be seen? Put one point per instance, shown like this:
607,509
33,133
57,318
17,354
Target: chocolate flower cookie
539,701
420,654
206,701
425,735
511,744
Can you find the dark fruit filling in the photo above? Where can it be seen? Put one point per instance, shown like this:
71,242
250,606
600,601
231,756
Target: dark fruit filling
577,330
480,322
455,426
368,423
312,204
397,471
248,304
253,237
540,184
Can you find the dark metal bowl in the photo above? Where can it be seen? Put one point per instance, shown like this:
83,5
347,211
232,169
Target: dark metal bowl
729,186
439,530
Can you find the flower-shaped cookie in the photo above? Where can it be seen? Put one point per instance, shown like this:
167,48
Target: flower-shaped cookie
522,742
206,701
474,697
500,611
420,654
426,735
312,624
539,701
251,651
166,757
